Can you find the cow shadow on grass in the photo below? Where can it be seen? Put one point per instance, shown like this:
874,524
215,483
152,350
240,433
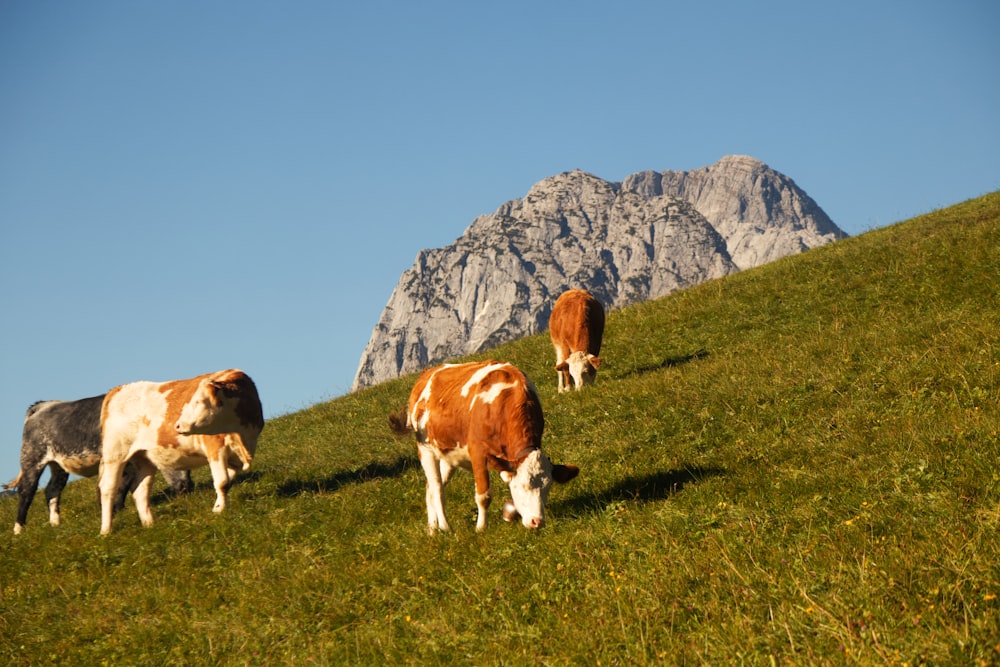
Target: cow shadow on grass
642,489
669,362
372,471
167,494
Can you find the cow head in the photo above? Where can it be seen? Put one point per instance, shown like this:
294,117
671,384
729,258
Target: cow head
209,411
582,367
530,484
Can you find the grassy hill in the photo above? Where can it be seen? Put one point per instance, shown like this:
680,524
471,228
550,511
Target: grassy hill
797,464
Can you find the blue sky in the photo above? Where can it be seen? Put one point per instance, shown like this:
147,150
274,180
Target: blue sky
189,186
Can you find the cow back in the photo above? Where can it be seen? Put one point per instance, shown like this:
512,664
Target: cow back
69,430
488,403
577,322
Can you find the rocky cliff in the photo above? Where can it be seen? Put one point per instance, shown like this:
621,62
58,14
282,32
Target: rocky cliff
650,235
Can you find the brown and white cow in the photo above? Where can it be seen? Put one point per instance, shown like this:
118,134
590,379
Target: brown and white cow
481,416
178,425
576,328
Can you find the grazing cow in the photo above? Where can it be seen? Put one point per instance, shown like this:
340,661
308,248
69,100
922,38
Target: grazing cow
66,437
479,416
178,425
576,328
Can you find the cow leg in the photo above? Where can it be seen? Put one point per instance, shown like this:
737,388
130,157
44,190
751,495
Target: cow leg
54,489
144,474
220,479
447,470
110,482
179,480
435,500
235,444
126,487
481,473
563,375
27,485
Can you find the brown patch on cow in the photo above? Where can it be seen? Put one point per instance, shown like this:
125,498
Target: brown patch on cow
177,394
212,444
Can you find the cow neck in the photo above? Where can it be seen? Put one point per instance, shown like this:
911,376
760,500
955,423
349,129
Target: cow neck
521,455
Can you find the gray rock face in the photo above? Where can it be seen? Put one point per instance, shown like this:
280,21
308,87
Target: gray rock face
761,213
626,242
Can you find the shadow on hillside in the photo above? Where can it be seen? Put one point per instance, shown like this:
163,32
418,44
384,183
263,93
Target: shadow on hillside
669,362
167,494
372,471
648,488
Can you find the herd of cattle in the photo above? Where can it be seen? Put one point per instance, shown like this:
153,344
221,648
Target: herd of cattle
479,416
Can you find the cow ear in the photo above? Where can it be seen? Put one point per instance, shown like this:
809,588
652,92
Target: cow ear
562,367
594,361
220,389
506,476
564,473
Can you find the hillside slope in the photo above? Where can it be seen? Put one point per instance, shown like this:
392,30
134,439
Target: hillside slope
795,464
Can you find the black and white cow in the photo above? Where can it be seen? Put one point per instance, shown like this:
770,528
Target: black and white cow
66,437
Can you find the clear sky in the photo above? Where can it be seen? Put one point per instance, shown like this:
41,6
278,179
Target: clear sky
187,186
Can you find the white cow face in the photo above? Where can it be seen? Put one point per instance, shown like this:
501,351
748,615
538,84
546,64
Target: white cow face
530,485
205,413
582,368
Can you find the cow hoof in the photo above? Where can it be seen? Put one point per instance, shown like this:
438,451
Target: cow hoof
509,512
18,528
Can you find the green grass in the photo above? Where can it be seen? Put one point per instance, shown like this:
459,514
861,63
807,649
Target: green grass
793,465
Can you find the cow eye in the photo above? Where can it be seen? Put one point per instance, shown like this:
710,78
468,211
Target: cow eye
540,482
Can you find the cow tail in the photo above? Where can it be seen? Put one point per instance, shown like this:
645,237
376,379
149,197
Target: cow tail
399,422
14,482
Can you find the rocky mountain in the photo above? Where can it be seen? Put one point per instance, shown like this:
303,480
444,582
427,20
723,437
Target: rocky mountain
652,234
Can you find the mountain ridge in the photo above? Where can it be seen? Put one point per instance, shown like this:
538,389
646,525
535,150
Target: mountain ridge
644,237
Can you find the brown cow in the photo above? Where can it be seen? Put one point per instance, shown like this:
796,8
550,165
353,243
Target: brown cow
576,328
481,416
178,425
